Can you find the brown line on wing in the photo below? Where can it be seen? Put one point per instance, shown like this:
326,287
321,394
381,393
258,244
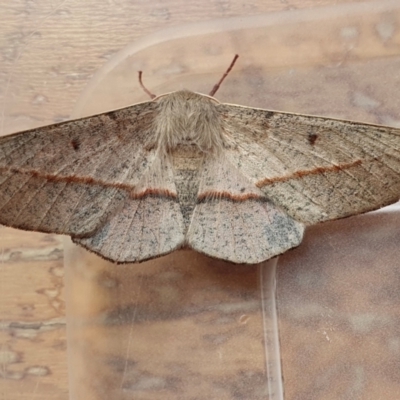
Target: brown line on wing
91,181
211,195
152,192
302,173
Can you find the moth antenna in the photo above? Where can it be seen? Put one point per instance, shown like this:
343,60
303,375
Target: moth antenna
216,87
152,96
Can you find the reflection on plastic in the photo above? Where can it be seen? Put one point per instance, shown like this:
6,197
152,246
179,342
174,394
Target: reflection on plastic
180,324
271,333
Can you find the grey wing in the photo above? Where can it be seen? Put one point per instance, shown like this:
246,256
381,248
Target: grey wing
232,219
316,169
70,177
149,224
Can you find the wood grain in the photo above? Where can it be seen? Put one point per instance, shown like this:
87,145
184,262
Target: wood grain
50,51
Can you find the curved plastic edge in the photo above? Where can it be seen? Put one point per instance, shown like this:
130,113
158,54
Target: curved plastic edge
267,276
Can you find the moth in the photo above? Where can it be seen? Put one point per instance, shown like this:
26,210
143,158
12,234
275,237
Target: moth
184,170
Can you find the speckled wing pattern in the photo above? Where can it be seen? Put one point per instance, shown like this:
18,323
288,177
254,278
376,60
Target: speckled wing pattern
316,169
150,223
87,178
232,182
233,220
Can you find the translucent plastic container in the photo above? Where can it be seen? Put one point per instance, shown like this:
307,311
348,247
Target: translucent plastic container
186,326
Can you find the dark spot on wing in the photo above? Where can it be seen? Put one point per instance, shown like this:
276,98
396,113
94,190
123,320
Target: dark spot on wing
268,114
76,144
112,115
312,138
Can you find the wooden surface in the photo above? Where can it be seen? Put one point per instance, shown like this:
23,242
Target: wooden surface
344,66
